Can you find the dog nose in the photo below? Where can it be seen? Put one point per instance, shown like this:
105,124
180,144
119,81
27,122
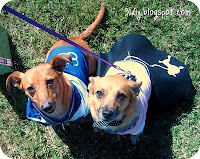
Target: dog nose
47,107
107,114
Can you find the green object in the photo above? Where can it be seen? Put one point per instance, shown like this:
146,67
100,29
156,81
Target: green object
4,50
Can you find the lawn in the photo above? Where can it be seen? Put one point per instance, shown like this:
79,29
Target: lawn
175,134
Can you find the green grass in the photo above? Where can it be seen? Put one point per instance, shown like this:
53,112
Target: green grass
174,135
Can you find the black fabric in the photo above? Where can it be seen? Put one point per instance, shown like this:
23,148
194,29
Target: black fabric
167,89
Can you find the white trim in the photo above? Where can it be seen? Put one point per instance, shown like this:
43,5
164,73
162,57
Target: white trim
83,109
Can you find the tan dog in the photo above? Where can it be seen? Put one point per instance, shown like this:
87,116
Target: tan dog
47,86
119,105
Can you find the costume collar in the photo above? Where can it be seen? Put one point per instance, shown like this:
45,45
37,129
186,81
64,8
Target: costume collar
99,124
128,76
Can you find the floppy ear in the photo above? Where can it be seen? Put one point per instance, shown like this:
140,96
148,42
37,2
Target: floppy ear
59,62
135,88
14,79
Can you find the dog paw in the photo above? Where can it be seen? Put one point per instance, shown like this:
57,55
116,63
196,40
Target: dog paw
134,139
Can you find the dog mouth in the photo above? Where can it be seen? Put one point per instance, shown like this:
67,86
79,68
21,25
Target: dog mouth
108,116
51,111
114,118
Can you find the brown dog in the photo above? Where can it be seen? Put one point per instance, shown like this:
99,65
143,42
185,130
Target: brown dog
54,95
119,105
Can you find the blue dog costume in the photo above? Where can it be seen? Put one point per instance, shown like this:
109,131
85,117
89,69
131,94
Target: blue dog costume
78,74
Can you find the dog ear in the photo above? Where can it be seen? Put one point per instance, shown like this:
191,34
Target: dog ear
59,62
91,84
135,88
14,79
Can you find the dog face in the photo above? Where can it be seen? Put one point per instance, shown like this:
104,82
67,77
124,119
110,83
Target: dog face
43,84
110,96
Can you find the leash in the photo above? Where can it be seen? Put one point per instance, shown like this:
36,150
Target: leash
52,32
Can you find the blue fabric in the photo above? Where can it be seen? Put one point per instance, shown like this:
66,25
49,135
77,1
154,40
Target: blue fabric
32,113
78,69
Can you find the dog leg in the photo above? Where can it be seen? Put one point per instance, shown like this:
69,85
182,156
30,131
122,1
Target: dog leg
134,139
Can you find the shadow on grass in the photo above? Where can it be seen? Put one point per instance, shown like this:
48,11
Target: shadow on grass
15,97
155,142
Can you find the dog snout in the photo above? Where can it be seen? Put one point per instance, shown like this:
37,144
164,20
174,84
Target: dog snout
47,108
107,114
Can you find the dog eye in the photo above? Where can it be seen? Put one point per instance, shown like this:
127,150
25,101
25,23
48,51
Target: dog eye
99,94
31,89
120,96
50,82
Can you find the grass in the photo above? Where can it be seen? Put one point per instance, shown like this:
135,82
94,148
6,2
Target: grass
174,135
